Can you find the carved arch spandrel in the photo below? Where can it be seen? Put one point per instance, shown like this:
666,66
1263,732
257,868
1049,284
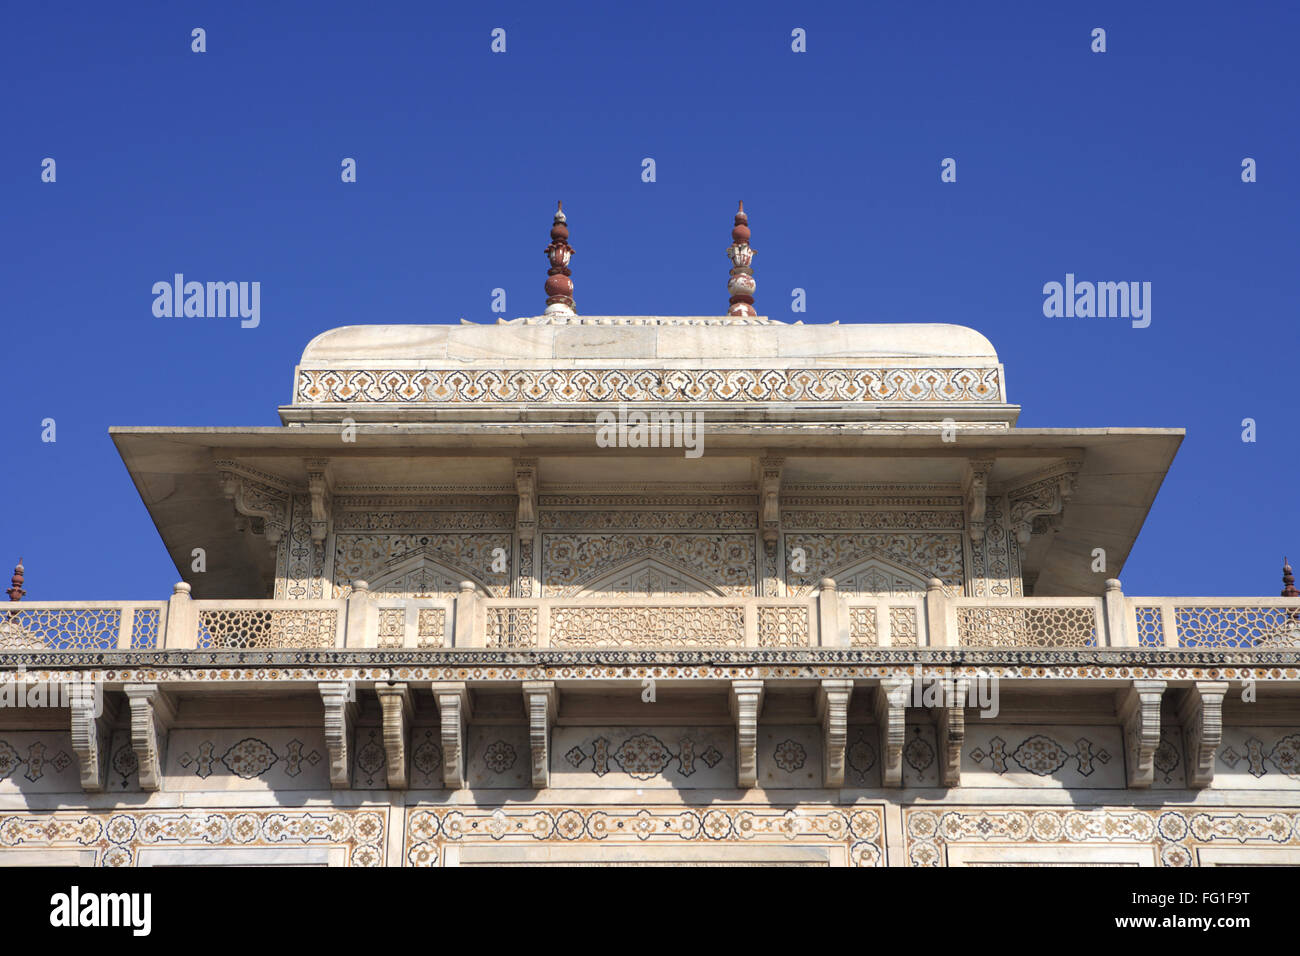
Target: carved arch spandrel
417,575
647,576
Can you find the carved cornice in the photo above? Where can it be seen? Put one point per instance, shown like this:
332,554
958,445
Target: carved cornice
309,664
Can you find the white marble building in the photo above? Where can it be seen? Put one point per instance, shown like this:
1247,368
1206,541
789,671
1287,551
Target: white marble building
448,616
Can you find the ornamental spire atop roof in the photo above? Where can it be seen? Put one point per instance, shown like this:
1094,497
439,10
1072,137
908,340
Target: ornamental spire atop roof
741,284
559,287
1288,581
16,592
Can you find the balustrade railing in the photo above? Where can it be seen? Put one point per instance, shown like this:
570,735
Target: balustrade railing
367,619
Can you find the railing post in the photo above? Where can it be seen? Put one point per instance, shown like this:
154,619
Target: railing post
360,617
750,623
1169,623
1116,609
466,617
126,628
936,616
829,626
182,620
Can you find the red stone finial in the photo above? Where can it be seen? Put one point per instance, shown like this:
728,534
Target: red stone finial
559,287
1288,581
16,592
741,284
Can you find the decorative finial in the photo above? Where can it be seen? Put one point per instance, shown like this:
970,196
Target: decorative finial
559,287
1288,581
741,284
16,592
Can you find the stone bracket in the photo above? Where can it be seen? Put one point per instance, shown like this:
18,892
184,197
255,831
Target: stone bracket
769,497
1043,497
256,499
1201,714
90,734
746,703
395,702
890,706
541,703
952,729
526,487
833,711
1139,714
152,713
974,489
320,486
454,713
340,700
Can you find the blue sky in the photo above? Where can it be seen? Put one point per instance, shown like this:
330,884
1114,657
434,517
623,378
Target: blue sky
225,165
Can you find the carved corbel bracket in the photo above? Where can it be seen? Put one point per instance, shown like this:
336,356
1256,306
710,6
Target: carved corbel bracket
1201,714
541,702
746,703
320,486
890,706
769,497
1139,714
395,702
90,733
453,717
526,488
261,497
974,489
833,711
339,698
152,712
952,729
1043,497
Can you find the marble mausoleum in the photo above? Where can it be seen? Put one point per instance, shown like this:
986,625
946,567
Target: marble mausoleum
474,603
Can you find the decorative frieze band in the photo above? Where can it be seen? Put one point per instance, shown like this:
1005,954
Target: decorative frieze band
586,386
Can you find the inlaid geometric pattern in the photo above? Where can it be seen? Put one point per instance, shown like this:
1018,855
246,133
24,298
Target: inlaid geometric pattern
1174,834
118,836
857,830
581,386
